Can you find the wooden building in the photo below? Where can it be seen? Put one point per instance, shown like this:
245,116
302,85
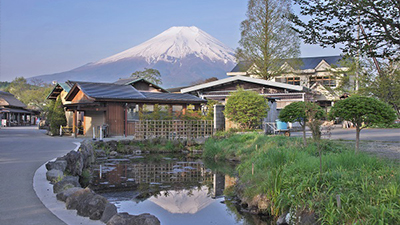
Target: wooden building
13,112
319,74
117,105
278,94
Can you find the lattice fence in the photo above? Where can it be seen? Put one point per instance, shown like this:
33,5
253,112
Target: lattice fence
173,129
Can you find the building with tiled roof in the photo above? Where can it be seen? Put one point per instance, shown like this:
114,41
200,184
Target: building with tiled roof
13,112
117,104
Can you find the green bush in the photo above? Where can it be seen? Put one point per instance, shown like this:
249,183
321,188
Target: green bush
246,108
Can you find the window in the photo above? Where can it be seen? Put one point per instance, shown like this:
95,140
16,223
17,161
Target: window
324,80
289,80
133,113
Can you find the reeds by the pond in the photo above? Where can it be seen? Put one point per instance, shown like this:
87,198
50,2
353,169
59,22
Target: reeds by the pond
353,188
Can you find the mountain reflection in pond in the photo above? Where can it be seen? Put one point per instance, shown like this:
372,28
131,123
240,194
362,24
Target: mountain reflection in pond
177,190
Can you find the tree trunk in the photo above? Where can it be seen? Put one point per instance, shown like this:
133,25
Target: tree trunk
357,137
304,134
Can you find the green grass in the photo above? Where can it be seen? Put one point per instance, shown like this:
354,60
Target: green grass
288,174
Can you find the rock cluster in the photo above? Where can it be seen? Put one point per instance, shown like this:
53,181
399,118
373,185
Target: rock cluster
85,201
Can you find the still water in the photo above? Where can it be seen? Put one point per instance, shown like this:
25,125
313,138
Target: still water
178,190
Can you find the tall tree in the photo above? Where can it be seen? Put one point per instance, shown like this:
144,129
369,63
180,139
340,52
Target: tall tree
333,22
267,37
151,75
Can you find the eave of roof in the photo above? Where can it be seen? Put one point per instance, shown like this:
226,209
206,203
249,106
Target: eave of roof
128,81
119,92
243,78
307,63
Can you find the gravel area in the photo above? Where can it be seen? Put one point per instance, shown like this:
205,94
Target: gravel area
383,149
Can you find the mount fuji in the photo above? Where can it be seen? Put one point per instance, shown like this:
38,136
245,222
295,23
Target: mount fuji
183,55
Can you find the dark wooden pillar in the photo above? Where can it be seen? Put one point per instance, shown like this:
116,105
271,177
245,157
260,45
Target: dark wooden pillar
184,109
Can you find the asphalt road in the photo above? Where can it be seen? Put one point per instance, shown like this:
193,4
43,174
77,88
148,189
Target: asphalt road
22,151
392,135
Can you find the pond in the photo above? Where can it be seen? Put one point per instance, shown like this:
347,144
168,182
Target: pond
177,189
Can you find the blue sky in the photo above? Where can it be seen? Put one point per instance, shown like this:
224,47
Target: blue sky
47,36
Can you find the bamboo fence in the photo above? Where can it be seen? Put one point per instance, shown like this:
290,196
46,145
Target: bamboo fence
173,129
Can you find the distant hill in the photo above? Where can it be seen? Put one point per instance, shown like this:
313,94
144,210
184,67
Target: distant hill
183,55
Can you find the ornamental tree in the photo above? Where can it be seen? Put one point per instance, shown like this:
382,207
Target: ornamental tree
306,113
362,111
246,108
57,117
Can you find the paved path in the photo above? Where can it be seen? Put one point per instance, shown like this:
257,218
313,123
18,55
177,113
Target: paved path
22,151
392,135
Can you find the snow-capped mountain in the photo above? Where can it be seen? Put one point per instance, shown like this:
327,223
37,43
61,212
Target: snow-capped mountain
181,54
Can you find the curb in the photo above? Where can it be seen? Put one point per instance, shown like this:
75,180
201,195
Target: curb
44,191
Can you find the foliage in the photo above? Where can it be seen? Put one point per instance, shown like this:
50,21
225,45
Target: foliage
362,111
57,117
246,108
4,85
160,113
32,95
387,86
151,75
266,37
305,113
286,173
201,81
208,110
333,22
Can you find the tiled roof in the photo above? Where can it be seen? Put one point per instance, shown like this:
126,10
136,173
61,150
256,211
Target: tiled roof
306,62
8,99
109,91
171,96
245,79
127,80
128,92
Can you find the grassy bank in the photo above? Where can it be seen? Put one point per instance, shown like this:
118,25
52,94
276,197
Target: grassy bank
287,174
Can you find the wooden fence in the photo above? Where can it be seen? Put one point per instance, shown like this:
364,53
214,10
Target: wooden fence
173,129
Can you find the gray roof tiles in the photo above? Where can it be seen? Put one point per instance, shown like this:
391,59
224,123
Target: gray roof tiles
109,91
128,92
306,62
172,96
8,99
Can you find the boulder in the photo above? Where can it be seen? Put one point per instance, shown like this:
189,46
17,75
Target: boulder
87,152
92,207
73,200
306,217
57,165
63,195
125,219
54,175
109,211
74,163
66,183
87,203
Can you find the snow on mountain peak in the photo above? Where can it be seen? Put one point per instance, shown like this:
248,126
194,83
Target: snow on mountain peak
177,43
